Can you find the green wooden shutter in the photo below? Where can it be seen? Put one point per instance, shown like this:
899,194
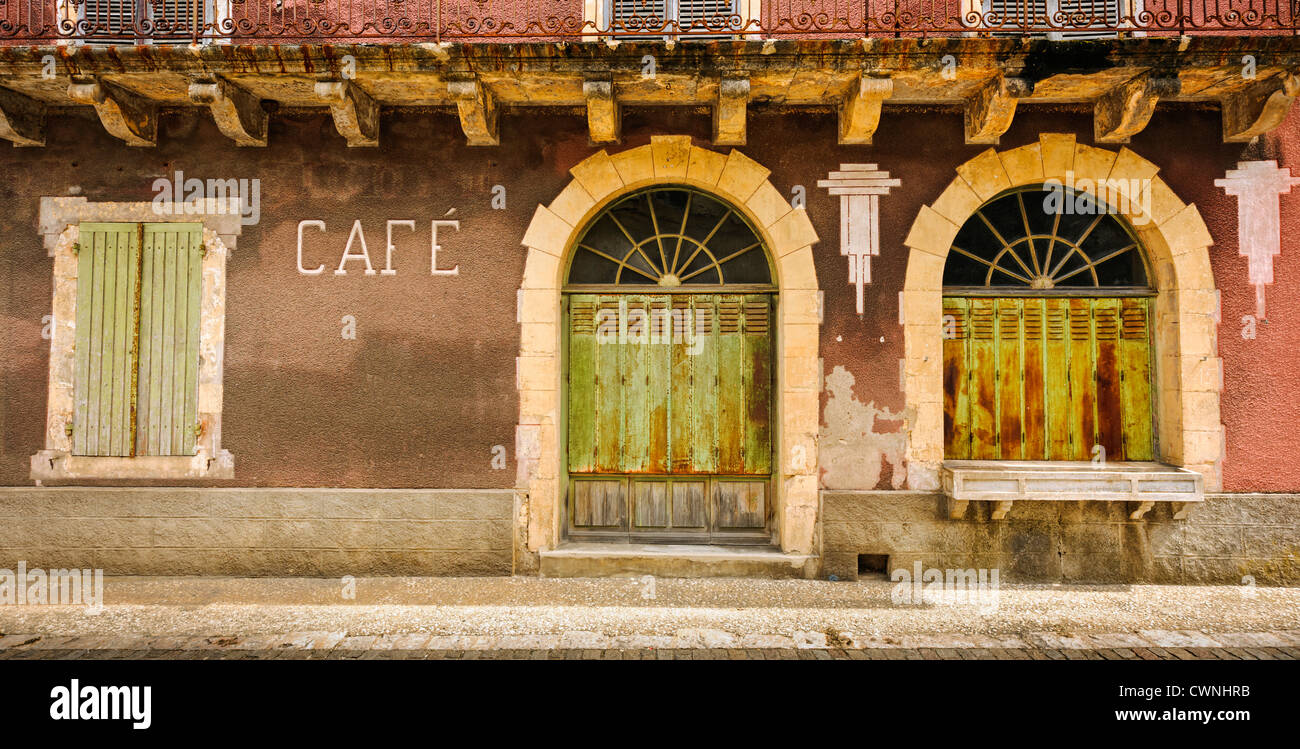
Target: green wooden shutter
167,398
662,384
1047,379
107,287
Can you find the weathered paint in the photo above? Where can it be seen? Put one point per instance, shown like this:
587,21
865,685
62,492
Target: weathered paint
643,399
1047,379
427,389
853,450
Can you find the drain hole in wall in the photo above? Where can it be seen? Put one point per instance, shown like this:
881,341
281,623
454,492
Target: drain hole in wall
873,565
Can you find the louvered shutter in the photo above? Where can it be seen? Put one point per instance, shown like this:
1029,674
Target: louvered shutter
167,397
661,384
1006,17
111,20
1047,379
634,15
107,282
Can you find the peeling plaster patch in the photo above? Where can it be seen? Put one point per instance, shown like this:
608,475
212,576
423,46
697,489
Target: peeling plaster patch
852,450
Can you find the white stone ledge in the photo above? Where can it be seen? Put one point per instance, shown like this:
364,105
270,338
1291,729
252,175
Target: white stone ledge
1007,482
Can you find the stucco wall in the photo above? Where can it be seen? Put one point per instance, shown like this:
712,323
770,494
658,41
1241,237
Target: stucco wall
427,389
312,532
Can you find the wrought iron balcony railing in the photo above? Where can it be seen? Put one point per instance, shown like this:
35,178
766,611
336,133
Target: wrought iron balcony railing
338,21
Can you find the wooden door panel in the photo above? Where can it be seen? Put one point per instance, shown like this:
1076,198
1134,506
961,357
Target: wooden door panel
956,390
1009,371
1135,378
740,504
650,500
689,504
600,503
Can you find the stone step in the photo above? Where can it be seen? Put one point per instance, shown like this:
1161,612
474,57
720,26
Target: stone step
674,560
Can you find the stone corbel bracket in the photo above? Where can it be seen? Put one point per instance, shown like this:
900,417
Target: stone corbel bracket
356,115
860,110
990,110
731,113
604,116
1259,107
124,114
238,114
1125,110
22,119
478,111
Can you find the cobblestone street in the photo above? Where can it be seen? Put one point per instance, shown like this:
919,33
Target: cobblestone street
640,619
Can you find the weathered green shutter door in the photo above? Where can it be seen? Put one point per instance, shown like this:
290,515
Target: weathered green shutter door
645,398
1047,379
107,284
669,385
167,399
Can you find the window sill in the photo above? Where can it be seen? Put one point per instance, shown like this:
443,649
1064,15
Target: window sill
1005,482
54,465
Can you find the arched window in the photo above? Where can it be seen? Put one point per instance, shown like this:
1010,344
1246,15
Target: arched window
1047,332
1043,239
669,237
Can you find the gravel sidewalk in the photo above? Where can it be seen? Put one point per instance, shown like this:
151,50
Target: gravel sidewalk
532,614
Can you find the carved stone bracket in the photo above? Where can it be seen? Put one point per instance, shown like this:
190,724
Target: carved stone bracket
356,115
1259,107
990,111
860,110
731,112
604,118
1125,110
22,119
238,114
124,114
478,111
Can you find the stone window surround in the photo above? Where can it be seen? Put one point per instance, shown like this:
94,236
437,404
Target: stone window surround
1188,369
742,183
60,220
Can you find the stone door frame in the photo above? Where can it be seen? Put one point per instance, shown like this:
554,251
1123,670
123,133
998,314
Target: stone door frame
597,181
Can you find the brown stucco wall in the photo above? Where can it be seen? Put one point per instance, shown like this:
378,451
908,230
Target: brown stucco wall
427,389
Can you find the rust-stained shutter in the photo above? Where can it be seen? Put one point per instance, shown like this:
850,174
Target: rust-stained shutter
661,384
167,398
1047,378
107,284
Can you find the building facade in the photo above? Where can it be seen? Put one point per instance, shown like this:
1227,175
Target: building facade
578,289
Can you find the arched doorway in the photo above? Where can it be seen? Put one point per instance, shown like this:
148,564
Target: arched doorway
1047,337
598,181
669,300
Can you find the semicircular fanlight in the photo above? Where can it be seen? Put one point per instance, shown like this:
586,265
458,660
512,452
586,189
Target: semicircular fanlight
1038,239
669,237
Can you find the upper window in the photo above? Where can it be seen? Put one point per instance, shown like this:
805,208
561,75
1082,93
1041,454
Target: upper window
1060,19
1039,240
692,16
670,237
